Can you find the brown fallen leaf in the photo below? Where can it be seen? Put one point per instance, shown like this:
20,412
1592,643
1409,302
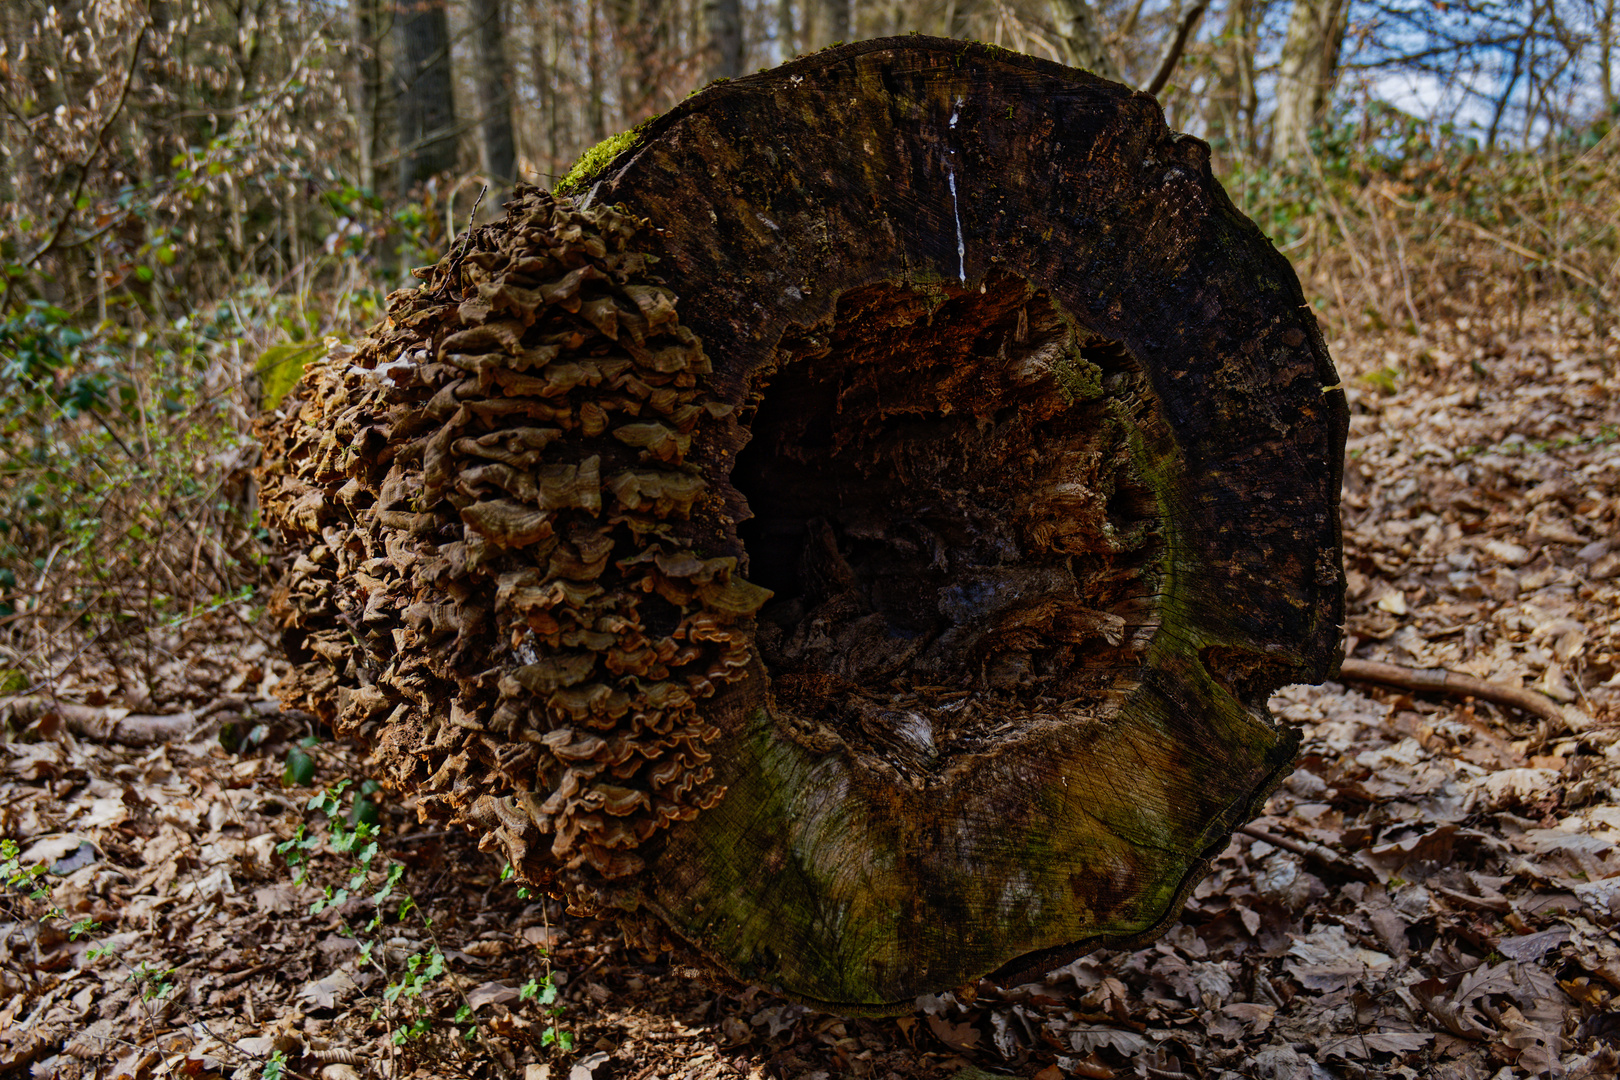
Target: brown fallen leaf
1362,1046
325,993
955,1036
496,992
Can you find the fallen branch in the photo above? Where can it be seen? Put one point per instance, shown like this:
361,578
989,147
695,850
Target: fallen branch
112,724
1323,856
1450,683
103,724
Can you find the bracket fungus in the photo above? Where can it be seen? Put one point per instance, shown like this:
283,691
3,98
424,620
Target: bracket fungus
858,538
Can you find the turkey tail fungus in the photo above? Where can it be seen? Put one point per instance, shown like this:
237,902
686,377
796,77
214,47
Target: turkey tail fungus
858,534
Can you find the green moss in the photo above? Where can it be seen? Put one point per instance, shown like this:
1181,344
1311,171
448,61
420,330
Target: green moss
597,158
1078,379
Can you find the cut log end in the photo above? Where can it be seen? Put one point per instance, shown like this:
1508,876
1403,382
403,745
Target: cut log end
869,570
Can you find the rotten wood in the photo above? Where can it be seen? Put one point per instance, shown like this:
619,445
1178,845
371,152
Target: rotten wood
858,539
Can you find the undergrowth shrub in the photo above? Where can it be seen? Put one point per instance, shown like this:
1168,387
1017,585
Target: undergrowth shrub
1395,220
126,501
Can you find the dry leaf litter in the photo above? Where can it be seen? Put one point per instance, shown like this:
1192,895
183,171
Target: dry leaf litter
1433,894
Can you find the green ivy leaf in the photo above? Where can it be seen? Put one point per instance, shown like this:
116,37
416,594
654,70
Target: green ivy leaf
300,769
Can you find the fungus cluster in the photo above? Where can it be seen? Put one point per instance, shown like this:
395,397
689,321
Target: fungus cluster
512,579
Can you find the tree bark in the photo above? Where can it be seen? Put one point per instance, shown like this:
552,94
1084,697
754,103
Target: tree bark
494,80
722,20
427,113
889,592
1306,73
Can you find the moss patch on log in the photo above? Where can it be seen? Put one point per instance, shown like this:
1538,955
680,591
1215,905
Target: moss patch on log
597,158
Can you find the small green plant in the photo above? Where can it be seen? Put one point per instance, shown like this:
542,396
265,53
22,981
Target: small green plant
275,1068
153,982
23,879
348,834
543,992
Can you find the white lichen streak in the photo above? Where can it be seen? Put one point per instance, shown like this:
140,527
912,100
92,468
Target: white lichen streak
956,207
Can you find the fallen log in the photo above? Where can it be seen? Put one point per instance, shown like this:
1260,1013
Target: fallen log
858,536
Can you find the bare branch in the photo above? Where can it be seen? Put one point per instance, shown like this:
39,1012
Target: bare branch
1173,51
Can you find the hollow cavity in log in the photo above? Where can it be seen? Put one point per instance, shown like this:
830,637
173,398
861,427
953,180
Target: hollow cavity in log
945,506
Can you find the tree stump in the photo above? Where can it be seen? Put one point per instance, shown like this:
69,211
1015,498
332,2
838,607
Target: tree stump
860,536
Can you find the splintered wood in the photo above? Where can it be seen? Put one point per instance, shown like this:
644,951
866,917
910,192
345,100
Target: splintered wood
526,642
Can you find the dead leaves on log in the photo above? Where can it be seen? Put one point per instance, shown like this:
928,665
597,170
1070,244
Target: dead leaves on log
497,584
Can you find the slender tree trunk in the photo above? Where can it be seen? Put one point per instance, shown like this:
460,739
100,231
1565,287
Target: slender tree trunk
834,21
494,78
786,36
1507,90
368,85
722,21
1075,25
427,113
1234,81
644,35
595,121
1306,73
1605,50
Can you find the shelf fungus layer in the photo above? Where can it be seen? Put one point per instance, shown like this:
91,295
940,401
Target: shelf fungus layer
857,538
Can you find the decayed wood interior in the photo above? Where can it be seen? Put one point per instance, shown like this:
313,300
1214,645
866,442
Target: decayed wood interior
945,507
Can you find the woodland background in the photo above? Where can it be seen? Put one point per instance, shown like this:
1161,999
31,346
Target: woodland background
195,195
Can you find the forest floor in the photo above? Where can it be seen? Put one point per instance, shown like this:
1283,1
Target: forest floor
1435,893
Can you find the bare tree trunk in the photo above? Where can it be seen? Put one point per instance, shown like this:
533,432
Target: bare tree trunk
1306,73
644,36
1605,50
427,112
1506,96
1082,44
494,77
786,36
368,85
1236,63
834,22
722,20
595,121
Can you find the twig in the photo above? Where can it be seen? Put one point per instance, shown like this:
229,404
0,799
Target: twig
1172,51
466,240
1513,246
1323,856
1452,684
